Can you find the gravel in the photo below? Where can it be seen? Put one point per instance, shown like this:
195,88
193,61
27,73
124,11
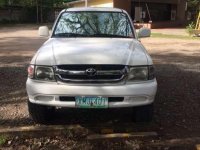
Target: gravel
177,113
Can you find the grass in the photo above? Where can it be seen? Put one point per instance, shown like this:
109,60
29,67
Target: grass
3,140
160,35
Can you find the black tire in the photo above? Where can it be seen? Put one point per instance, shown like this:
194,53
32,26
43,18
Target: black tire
143,113
40,114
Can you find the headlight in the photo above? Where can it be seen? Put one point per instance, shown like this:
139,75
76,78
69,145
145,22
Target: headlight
41,73
141,73
44,73
138,74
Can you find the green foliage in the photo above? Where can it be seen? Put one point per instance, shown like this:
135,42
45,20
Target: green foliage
13,2
190,28
31,10
170,36
194,6
193,3
58,2
2,2
68,1
24,3
3,140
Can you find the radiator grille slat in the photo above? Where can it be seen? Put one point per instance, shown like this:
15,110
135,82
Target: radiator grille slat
90,73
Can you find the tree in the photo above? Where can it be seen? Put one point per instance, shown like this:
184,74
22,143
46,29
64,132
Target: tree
194,8
2,3
194,5
50,4
41,8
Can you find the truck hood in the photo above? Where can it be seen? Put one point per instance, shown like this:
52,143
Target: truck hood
57,51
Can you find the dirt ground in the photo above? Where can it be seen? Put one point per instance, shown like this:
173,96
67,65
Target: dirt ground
177,113
171,31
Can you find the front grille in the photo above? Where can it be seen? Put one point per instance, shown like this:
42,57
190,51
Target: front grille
85,77
72,99
84,67
90,73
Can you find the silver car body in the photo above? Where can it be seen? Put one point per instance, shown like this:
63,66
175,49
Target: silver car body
75,51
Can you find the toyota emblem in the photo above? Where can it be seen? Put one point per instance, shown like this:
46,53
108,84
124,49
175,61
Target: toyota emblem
91,72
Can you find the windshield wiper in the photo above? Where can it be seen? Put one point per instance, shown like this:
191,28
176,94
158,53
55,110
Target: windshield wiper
69,35
110,35
89,35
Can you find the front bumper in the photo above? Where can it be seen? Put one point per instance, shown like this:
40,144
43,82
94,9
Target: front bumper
47,93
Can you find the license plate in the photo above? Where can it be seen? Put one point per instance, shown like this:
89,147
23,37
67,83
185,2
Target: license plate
92,102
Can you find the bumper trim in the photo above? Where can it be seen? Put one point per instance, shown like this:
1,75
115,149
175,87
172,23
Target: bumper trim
128,102
134,94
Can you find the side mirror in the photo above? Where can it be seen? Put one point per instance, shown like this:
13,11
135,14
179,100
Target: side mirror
43,31
144,32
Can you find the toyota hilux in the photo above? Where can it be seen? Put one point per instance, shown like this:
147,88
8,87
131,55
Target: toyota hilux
93,59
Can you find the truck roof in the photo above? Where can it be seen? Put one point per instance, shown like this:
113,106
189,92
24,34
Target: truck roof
107,9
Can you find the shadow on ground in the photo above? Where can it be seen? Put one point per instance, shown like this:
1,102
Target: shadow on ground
176,106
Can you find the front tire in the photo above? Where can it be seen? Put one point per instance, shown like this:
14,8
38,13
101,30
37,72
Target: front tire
143,113
39,113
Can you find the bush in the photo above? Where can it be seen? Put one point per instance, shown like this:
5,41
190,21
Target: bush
190,28
2,140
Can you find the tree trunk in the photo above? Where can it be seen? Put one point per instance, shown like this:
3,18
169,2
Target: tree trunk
37,11
10,9
41,13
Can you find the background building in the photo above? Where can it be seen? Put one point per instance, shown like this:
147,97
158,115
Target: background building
168,13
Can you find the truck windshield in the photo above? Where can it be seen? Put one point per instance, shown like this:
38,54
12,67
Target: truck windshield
93,24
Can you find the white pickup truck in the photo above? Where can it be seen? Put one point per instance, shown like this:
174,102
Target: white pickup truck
92,60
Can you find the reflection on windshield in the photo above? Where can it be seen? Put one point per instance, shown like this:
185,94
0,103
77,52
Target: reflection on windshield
93,24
